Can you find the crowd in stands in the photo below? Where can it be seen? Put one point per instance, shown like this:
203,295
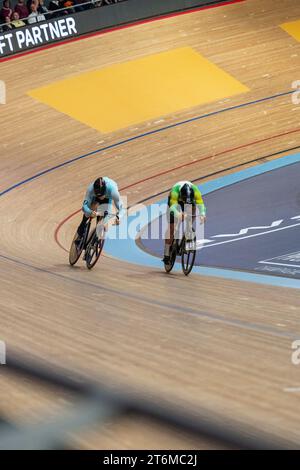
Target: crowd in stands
33,11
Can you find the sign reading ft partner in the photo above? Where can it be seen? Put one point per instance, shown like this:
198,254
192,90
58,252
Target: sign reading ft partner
39,35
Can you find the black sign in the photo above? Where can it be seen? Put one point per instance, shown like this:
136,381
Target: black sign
37,35
95,19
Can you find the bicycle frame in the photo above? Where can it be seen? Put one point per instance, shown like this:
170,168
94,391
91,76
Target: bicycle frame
96,241
178,248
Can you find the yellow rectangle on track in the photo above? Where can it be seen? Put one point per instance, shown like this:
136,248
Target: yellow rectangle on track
293,28
140,90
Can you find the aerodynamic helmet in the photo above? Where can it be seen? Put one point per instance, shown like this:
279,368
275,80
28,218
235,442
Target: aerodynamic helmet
187,194
99,187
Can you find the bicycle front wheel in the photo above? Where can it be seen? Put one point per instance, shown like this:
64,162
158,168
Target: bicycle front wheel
93,250
187,258
173,253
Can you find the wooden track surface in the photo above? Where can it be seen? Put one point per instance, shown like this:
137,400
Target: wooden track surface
195,341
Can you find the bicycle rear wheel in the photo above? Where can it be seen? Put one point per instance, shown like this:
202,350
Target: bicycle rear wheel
75,251
173,254
187,258
93,250
74,255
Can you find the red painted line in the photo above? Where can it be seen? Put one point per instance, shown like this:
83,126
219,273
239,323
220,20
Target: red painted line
116,28
223,152
57,230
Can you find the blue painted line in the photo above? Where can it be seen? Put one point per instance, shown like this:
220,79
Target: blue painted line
242,175
140,136
127,250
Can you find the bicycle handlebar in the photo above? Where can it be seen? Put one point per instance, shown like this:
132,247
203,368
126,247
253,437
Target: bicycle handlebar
105,214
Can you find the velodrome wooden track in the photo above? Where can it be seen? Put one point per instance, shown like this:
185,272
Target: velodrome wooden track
232,353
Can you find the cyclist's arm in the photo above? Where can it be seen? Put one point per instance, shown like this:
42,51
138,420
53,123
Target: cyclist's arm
117,200
199,201
86,205
174,198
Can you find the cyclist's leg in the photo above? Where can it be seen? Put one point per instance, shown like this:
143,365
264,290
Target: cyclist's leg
80,231
94,207
189,211
103,209
85,218
169,234
172,231
190,232
81,227
168,242
194,218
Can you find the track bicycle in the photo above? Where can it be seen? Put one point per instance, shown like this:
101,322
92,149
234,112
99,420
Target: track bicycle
92,244
185,248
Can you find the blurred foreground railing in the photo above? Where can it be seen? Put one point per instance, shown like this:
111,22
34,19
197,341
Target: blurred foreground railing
96,403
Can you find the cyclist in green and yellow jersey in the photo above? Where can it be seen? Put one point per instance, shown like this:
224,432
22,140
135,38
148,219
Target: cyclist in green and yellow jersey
184,194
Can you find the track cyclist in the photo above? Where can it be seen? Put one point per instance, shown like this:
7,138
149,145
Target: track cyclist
184,195
98,202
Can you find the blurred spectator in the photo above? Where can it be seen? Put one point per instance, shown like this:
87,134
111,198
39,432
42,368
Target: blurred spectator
36,10
6,11
42,7
79,5
7,26
68,4
21,9
53,6
35,16
16,21
29,3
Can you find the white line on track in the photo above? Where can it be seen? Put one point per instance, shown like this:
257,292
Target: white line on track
248,236
281,264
